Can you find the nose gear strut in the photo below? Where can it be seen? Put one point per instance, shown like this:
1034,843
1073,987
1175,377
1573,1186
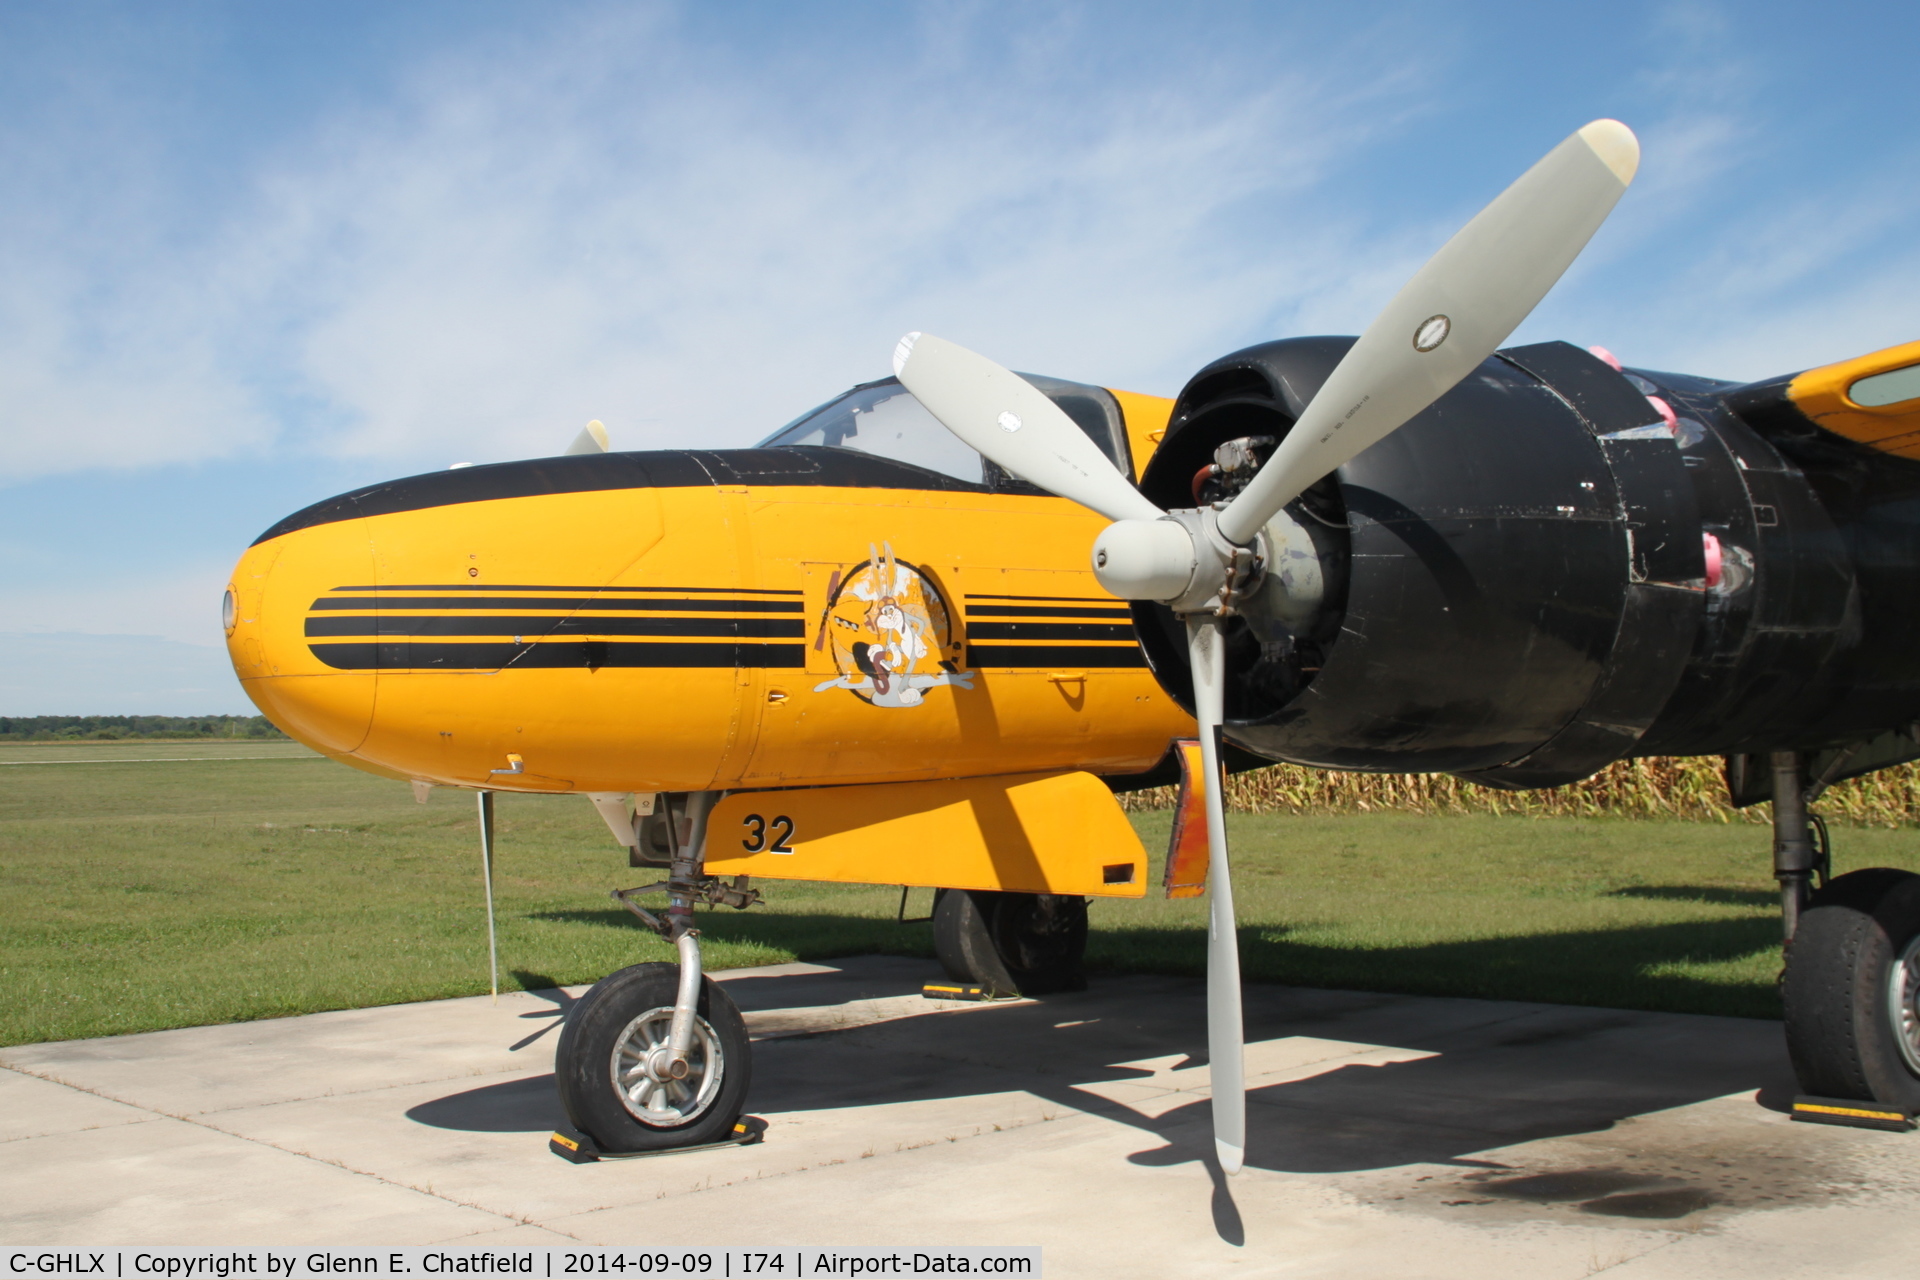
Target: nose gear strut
685,885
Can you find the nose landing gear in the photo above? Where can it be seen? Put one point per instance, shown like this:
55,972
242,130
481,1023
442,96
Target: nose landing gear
621,1085
656,1057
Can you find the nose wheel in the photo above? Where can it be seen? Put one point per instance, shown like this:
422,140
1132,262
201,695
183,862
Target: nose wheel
622,1086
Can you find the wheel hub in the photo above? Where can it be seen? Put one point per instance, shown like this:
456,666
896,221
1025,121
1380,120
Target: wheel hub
1903,1002
661,1067
1034,935
650,1085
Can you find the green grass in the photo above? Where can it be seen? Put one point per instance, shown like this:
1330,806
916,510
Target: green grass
1623,913
138,896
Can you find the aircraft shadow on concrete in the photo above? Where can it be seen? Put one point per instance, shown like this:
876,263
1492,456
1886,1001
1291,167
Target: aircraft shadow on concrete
810,936
1502,1073
526,1105
1593,967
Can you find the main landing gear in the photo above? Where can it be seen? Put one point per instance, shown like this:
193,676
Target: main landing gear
1026,944
1851,987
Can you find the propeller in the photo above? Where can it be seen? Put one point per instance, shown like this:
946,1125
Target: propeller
1008,419
1453,314
592,439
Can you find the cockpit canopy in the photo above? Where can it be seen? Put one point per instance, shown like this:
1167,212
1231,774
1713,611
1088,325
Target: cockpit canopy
882,418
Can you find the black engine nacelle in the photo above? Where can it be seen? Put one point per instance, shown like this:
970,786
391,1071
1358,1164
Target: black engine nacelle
1539,575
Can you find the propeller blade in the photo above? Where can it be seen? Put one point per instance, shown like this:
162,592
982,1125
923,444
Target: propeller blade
1225,1035
1005,418
1454,313
592,439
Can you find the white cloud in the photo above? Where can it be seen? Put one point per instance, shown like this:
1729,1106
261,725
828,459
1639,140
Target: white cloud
1747,248
616,223
615,218
537,242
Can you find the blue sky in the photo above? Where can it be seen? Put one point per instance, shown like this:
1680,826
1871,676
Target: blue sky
253,255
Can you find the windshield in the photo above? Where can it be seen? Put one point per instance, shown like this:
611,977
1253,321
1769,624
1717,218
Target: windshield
884,419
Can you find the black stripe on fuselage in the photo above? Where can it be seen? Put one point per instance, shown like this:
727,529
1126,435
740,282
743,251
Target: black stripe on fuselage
347,603
404,655
1019,611
492,586
804,466
1048,631
712,628
591,654
1048,656
1107,600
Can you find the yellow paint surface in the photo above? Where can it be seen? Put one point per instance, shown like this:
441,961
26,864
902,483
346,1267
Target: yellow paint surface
1146,418
1028,833
692,727
1821,394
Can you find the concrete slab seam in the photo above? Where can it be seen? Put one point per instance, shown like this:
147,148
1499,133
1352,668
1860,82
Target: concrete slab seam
302,1155
1672,1238
469,1074
872,1153
85,1128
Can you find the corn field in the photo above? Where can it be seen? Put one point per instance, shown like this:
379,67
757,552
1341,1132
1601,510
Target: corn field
1690,788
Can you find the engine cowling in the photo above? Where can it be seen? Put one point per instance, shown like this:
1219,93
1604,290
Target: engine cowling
1515,586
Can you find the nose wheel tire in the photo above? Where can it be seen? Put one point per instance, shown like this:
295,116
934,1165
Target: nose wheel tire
1852,990
1017,943
612,1071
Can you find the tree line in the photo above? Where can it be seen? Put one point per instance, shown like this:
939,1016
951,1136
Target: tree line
110,728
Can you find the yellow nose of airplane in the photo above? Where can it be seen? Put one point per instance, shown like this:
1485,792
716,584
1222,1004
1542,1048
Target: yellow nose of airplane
470,627
626,622
266,609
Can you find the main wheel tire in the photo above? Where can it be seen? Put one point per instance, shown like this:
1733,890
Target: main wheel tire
1850,990
599,1063
1860,889
1016,943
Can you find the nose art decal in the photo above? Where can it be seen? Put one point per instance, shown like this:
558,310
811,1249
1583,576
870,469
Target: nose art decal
891,634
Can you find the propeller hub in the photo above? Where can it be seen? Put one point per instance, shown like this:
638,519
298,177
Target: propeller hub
1145,559
1181,560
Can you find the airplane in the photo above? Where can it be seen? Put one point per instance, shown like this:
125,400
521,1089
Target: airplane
925,635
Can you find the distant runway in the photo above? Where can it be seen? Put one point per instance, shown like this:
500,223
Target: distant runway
1389,1136
137,752
8,764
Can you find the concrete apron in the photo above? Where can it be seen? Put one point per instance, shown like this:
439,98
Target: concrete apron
1388,1135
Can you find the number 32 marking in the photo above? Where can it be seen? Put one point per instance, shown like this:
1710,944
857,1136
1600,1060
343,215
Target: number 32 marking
757,828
